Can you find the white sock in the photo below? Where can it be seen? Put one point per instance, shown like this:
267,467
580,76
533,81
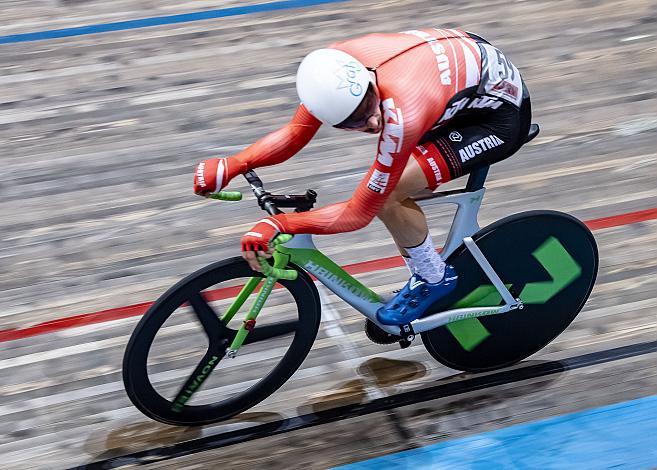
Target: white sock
409,264
426,261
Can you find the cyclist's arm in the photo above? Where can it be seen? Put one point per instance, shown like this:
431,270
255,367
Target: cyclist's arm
399,137
414,98
278,146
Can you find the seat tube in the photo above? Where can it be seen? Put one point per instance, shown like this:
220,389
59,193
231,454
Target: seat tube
465,222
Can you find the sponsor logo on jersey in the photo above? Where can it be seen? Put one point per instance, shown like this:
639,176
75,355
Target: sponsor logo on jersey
485,102
435,169
440,52
453,109
480,102
506,88
480,146
392,136
455,136
199,174
346,74
378,181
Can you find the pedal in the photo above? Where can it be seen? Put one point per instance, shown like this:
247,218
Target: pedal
403,343
407,335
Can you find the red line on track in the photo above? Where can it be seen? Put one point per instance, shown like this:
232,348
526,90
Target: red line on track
622,219
218,294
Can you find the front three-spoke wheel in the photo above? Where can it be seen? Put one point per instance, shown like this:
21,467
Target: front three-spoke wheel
175,367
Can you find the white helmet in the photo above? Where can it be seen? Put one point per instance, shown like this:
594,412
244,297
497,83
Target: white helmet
331,84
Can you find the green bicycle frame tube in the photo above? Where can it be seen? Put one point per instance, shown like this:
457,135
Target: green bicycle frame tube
244,294
253,313
280,261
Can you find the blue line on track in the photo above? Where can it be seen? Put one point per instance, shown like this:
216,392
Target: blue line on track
623,435
161,20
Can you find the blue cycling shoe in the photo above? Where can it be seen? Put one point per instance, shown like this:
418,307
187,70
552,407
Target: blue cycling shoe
415,297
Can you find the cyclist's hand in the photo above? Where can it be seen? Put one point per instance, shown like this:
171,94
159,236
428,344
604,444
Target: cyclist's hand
256,242
210,176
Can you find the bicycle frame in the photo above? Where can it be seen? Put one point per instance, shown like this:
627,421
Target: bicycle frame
303,252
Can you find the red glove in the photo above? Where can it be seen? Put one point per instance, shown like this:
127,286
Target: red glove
259,237
211,175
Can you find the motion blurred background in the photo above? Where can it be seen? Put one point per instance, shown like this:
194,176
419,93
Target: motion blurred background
99,136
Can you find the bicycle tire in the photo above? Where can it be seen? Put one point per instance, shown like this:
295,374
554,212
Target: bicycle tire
150,402
551,255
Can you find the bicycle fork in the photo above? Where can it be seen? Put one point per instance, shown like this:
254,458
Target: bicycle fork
217,352
273,274
250,320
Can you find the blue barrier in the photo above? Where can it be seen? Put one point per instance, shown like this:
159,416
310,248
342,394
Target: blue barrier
622,435
161,20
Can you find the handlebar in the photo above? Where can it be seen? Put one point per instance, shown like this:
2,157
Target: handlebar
271,203
279,273
253,179
261,195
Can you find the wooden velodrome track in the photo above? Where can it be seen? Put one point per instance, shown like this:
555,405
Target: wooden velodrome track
99,135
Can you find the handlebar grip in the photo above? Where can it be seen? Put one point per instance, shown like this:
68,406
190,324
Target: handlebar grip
226,196
282,239
269,271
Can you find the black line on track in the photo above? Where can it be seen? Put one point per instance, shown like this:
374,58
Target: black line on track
476,382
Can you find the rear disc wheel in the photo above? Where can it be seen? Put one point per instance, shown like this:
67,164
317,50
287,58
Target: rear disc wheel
549,259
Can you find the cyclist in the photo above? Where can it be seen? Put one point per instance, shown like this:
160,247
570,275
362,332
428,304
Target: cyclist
446,98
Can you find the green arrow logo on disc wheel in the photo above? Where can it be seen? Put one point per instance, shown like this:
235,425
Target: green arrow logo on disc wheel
554,258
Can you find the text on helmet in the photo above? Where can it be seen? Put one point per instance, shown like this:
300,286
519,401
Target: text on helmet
347,74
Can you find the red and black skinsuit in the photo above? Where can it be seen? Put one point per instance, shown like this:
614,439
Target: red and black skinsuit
448,98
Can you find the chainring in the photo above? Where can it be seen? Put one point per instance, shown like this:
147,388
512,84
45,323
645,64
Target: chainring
379,336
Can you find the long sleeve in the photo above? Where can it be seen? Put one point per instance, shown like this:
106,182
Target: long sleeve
276,147
413,98
398,139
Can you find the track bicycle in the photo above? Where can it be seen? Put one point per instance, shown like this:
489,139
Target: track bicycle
522,281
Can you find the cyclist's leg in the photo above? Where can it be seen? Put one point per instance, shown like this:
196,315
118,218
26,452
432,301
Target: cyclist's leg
400,214
448,153
407,224
431,279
